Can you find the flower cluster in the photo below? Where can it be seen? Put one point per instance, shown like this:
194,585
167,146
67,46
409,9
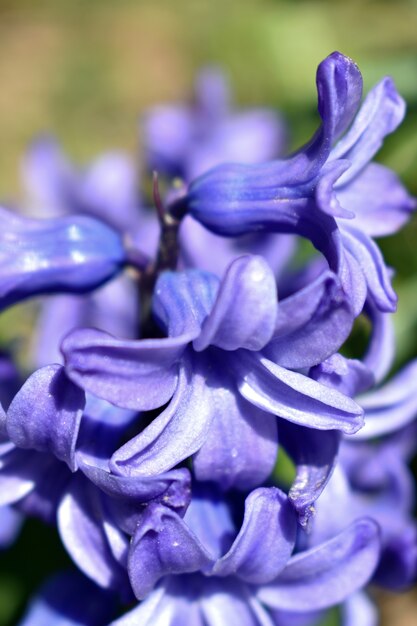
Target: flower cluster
180,353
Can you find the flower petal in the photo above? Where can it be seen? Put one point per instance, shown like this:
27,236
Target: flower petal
392,406
269,521
48,177
11,523
172,487
380,353
359,610
230,602
80,527
380,114
173,602
108,190
327,574
112,308
371,261
312,324
131,374
314,454
50,424
178,432
245,309
182,300
240,448
293,396
378,199
163,545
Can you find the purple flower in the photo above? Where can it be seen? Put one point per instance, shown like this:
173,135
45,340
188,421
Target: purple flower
311,192
42,447
220,371
210,573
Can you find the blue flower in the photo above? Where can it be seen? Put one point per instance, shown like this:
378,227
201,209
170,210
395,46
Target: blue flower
328,180
209,572
220,371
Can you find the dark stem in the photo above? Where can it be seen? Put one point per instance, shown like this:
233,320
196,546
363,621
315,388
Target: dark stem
166,259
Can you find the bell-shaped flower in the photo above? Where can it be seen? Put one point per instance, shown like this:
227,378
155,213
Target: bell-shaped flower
54,465
209,573
220,372
311,192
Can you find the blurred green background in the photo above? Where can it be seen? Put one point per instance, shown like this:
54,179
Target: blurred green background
85,69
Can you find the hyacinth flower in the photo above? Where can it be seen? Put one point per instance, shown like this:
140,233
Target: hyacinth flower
206,572
186,141
54,465
220,372
326,191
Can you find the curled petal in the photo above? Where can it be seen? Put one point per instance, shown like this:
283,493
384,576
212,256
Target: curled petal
339,87
349,376
80,525
392,406
379,356
173,487
326,196
327,574
370,259
163,545
131,374
245,309
178,432
380,114
64,254
269,521
378,199
311,324
314,454
50,424
182,300
293,396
